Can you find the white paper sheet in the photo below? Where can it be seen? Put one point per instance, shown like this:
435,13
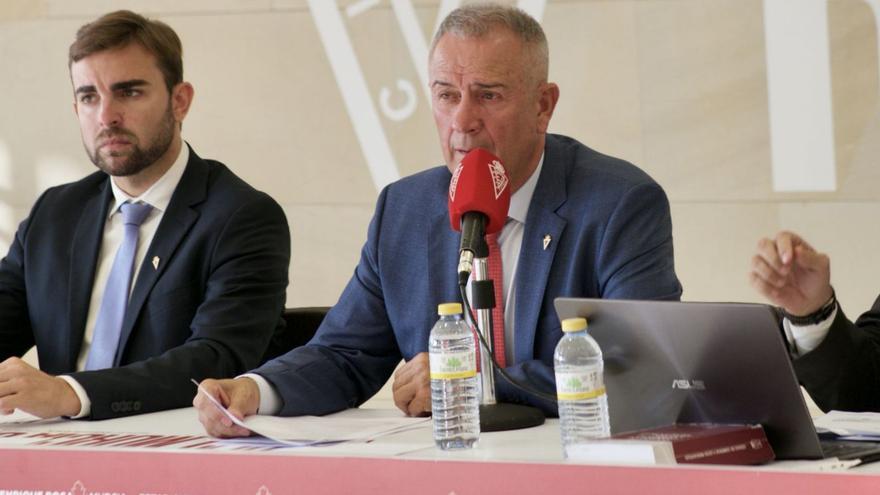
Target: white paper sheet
307,431
858,425
20,417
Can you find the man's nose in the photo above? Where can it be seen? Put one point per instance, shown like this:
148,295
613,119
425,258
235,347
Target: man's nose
110,113
468,116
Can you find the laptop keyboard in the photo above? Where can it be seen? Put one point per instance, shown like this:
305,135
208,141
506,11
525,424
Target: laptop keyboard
845,450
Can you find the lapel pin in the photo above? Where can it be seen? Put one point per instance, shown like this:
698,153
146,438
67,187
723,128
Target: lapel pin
547,240
156,260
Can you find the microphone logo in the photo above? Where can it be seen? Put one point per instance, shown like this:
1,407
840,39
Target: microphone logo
499,177
453,184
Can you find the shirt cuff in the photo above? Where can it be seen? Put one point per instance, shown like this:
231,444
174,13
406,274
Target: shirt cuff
270,401
805,338
85,404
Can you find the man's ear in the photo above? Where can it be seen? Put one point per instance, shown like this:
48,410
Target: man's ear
547,98
181,98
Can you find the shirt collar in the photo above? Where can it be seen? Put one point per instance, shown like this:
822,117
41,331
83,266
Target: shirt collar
159,194
522,198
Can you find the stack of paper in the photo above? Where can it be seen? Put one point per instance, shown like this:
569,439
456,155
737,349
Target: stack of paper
303,431
850,425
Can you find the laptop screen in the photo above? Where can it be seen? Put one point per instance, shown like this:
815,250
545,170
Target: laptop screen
689,362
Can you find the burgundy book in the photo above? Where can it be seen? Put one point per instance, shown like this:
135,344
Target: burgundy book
705,443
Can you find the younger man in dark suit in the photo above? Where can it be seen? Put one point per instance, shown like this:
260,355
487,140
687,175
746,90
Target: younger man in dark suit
159,268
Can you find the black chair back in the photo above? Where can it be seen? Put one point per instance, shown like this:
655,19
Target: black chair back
301,325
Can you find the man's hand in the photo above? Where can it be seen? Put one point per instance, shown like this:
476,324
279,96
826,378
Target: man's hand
24,387
240,396
791,274
412,386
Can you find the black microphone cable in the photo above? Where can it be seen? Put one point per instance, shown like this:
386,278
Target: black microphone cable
521,386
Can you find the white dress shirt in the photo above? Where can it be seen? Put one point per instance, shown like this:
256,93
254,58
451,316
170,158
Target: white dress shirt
804,339
510,242
158,196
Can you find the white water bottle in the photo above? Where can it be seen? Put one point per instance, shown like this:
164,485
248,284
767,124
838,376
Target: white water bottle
580,388
455,401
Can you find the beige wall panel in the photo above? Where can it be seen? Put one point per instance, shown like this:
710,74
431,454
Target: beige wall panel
40,144
94,8
21,9
384,59
704,98
847,233
855,88
266,104
676,86
859,177
714,243
594,59
325,247
292,4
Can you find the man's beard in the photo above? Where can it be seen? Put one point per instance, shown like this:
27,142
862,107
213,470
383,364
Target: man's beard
138,159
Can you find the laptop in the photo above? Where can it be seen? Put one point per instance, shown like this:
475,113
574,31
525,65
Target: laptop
694,362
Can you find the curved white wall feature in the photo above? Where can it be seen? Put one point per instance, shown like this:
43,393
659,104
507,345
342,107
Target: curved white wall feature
353,86
799,95
403,112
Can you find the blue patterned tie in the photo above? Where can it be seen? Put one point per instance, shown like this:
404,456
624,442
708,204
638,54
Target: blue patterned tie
108,325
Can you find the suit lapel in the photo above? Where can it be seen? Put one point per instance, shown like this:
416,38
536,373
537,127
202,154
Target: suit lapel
176,222
535,262
442,256
84,250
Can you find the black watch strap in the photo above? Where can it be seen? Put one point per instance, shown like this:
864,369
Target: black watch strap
815,317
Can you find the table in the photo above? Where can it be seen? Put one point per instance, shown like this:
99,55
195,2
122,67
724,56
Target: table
167,453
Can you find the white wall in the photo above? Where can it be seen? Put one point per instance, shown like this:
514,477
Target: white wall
680,87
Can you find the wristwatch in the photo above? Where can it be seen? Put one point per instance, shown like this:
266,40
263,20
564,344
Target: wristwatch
815,317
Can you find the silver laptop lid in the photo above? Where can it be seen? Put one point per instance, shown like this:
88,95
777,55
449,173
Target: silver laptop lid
668,362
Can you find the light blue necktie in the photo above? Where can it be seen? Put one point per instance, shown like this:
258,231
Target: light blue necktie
108,325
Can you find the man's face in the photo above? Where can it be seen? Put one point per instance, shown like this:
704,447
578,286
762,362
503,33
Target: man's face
124,109
484,95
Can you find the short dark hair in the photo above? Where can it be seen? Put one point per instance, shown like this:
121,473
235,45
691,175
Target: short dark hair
119,29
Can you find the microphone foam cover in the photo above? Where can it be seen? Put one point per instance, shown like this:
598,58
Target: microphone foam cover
479,184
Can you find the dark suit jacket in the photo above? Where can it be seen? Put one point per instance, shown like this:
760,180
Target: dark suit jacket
208,310
611,237
844,371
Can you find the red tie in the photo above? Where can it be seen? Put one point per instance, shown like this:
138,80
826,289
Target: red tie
496,273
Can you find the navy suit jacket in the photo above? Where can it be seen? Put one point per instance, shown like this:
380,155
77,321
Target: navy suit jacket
208,310
843,373
611,237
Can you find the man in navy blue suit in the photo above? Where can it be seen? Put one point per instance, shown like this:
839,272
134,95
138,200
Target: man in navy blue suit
580,224
159,268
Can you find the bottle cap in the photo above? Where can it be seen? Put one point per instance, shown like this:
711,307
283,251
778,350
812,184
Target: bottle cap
574,324
447,309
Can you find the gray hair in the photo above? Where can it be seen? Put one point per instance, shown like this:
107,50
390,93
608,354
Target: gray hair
478,20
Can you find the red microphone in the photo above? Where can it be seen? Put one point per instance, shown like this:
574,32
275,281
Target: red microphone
479,197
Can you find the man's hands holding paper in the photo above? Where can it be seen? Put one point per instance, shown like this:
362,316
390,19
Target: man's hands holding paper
240,397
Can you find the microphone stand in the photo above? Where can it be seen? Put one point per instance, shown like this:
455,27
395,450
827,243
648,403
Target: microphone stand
494,416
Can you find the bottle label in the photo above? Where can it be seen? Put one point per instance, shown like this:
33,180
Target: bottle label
449,366
579,385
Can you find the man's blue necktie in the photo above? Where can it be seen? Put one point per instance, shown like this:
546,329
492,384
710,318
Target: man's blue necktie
108,325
